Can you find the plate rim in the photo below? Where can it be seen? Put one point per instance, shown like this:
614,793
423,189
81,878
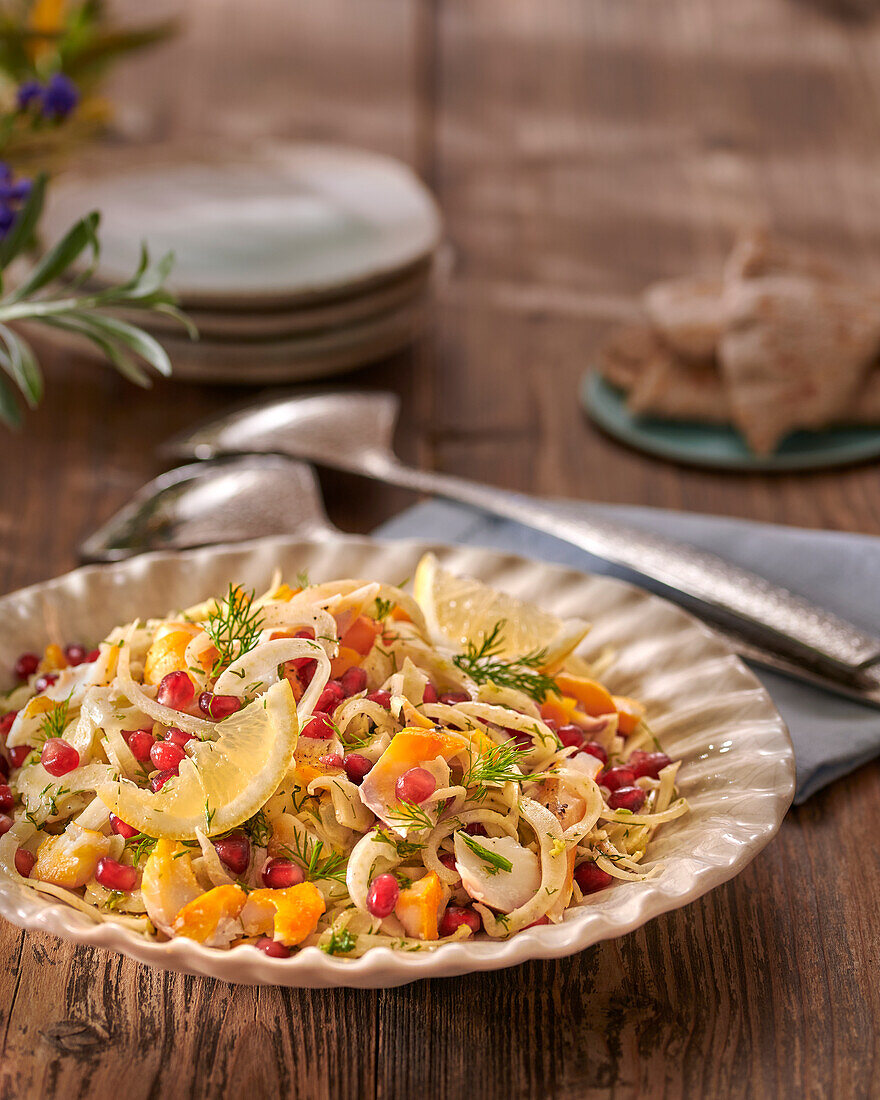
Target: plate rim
76,181
596,391
380,967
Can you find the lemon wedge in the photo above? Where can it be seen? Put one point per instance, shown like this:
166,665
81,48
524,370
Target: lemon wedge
461,610
222,782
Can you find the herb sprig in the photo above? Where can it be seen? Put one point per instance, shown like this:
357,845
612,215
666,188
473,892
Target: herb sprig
409,815
234,626
484,665
340,942
309,855
497,765
54,721
494,862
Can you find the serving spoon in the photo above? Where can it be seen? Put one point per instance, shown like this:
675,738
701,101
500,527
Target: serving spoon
256,496
354,431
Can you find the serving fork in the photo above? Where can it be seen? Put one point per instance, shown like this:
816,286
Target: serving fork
354,432
253,496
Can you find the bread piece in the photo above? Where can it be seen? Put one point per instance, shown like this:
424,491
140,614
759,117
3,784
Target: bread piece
689,314
627,352
795,353
674,390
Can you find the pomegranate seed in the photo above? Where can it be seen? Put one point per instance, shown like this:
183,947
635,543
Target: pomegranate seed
45,681
627,798
4,767
551,723
356,767
353,680
456,916
58,757
75,654
121,828
19,754
330,697
6,722
450,698
591,878
415,785
431,694
382,895
175,690
383,698
6,799
521,739
177,737
593,748
24,862
448,861
278,874
166,755
5,823
113,875
235,851
305,668
140,742
331,760
475,829
537,923
161,778
319,726
570,735
613,778
272,948
26,665
92,656
648,763
218,707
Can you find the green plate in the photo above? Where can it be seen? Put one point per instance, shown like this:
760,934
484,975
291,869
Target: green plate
721,448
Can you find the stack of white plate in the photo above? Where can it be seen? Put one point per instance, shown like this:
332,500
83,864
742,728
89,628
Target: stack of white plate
294,261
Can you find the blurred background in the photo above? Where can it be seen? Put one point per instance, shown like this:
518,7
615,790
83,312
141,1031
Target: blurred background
577,149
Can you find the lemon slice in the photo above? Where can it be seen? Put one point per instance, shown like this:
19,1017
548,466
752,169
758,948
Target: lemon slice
223,782
461,610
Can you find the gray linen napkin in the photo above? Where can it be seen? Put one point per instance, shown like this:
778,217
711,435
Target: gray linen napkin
832,736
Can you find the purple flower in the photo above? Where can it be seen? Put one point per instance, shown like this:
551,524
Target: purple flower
12,195
60,97
29,92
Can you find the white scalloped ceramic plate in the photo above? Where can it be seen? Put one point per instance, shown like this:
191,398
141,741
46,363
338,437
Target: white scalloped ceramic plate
708,709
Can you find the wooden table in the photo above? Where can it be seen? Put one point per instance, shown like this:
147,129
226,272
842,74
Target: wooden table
579,148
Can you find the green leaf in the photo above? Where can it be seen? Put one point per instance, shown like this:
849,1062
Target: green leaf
22,231
59,258
22,366
10,413
131,337
494,862
120,359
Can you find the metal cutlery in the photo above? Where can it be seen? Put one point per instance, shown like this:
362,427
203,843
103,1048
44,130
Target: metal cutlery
255,496
354,431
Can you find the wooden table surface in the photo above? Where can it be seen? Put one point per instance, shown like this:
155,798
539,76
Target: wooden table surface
579,149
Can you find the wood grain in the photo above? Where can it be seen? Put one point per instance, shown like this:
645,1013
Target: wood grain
579,148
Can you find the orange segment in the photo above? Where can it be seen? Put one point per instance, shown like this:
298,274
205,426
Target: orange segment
592,697
198,919
629,713
168,653
361,635
399,615
346,659
297,910
53,658
418,907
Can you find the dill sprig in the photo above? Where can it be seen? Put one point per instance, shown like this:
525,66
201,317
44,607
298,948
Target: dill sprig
404,848
494,862
383,608
497,765
340,942
234,626
484,665
409,815
258,829
54,721
140,845
309,855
